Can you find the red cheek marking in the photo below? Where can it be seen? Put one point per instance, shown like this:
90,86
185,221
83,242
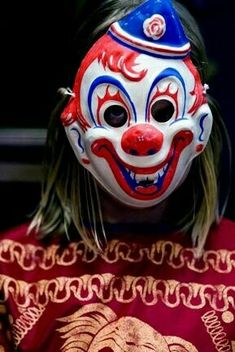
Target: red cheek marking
199,148
85,161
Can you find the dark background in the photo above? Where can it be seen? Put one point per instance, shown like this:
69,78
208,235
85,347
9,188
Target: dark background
38,55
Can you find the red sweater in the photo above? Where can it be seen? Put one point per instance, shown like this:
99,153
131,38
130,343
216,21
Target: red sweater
140,295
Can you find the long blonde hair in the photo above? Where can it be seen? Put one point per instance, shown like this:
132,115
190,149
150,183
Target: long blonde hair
70,194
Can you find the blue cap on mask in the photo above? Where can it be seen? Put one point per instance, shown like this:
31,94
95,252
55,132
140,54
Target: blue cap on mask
153,28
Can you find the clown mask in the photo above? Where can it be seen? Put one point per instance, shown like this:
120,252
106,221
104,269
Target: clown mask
138,115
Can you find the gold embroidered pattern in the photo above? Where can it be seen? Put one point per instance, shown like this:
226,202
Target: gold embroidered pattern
30,257
2,309
107,287
233,346
96,327
227,317
216,332
25,322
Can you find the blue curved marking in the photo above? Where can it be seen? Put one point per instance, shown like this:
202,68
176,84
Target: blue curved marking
100,127
107,80
79,139
168,72
202,119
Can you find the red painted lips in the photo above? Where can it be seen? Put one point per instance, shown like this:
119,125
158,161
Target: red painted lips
128,176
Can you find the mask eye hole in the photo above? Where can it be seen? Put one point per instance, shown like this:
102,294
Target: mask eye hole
115,116
162,110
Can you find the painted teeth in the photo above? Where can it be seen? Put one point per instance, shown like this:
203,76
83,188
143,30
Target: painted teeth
139,178
153,177
132,175
160,173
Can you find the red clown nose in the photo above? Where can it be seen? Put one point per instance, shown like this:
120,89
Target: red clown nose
142,140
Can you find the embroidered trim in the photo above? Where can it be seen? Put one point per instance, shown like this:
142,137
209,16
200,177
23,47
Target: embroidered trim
30,257
25,322
107,287
216,331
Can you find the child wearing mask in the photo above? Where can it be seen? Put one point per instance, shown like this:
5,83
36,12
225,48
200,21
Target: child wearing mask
128,250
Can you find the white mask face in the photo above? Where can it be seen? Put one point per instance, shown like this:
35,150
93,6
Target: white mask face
139,113
138,128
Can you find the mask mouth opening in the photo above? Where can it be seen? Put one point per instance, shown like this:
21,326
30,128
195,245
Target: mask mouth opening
146,183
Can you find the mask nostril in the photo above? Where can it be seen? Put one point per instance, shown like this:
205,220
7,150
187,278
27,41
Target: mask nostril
133,152
151,151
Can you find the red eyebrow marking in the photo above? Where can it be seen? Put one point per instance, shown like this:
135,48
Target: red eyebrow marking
167,92
109,97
